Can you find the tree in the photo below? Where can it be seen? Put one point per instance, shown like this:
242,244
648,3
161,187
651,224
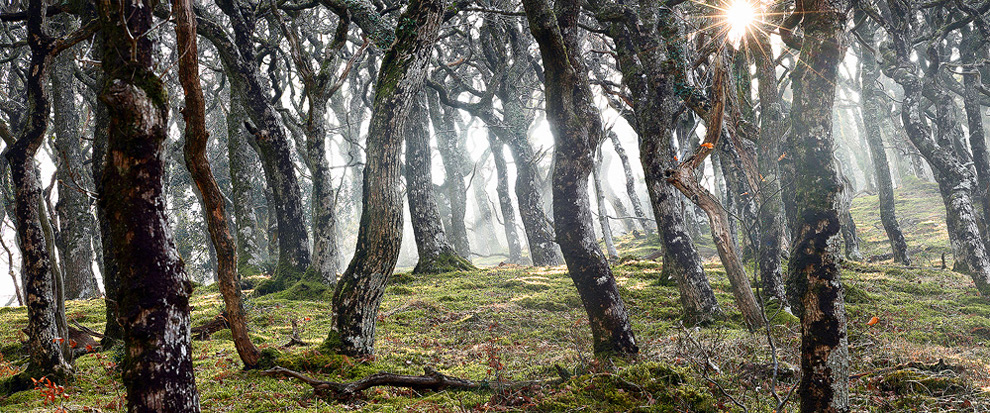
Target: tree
436,254
267,136
76,222
41,286
814,268
359,291
577,130
212,200
647,43
956,182
873,106
153,294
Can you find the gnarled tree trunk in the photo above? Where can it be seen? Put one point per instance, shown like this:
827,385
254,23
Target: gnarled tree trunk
577,130
359,291
153,295
436,254
199,168
814,268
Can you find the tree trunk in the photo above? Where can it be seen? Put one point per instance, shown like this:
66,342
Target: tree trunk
196,140
154,289
242,164
848,227
76,223
577,130
971,50
814,279
770,220
649,227
613,254
452,155
326,252
640,58
956,183
45,356
873,103
359,291
436,255
504,199
269,139
539,229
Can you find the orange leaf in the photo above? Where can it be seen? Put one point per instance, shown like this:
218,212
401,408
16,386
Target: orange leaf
782,156
873,321
708,145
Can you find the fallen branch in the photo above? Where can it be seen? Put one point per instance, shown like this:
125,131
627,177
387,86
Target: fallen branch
203,332
430,380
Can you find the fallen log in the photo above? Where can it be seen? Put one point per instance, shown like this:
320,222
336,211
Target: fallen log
203,332
430,380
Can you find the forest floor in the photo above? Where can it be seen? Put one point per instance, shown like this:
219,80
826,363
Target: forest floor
926,349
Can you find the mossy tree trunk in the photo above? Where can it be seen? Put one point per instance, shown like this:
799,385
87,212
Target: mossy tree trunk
153,295
642,56
242,163
436,254
196,140
956,182
45,353
268,138
771,220
76,223
359,292
873,103
577,130
814,269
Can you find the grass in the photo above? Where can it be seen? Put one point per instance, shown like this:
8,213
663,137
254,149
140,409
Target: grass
927,352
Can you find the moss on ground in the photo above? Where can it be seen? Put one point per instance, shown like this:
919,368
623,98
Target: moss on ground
516,323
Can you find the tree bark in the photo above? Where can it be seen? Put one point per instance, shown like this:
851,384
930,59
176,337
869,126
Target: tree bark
45,356
577,130
76,223
359,292
504,199
268,138
196,140
970,51
814,268
436,254
641,56
873,104
956,183
241,163
153,295
444,119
